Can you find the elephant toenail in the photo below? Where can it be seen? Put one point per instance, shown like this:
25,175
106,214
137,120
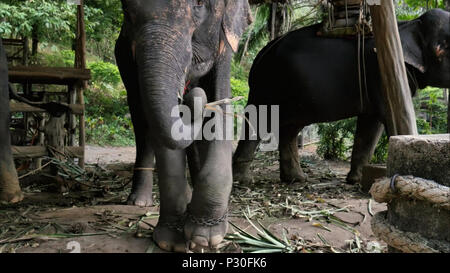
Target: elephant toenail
192,245
200,241
215,240
164,246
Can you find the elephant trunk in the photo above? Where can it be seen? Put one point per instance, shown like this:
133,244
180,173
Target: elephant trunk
163,58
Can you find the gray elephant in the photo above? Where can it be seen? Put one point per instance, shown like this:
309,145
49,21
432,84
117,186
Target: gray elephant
9,183
315,79
165,47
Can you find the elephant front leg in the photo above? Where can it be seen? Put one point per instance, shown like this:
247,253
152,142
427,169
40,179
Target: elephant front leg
206,222
10,191
290,169
142,188
242,160
175,194
368,132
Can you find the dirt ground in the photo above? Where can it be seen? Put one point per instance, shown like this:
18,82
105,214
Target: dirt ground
86,212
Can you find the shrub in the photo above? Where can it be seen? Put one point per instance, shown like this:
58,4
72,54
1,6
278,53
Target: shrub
431,111
111,131
239,88
108,121
105,73
381,150
335,139
55,58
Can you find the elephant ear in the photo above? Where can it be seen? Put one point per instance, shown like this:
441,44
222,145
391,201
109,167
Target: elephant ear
412,44
236,18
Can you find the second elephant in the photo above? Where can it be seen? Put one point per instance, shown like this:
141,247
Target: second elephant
315,79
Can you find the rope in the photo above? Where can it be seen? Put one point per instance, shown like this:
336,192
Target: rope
361,30
412,188
409,187
144,169
408,242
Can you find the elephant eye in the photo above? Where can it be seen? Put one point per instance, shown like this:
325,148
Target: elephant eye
199,2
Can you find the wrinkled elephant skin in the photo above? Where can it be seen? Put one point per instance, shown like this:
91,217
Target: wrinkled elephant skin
9,183
165,47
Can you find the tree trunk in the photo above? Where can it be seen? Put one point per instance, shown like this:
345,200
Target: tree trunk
278,19
400,116
35,41
273,19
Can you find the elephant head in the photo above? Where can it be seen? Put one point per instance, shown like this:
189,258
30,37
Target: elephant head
175,41
426,47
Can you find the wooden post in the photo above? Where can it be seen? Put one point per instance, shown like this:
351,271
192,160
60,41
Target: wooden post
400,116
447,91
448,111
80,62
71,99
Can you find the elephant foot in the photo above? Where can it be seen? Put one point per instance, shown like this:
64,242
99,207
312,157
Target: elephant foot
354,177
243,178
140,199
242,174
169,237
293,176
203,233
141,192
11,197
10,191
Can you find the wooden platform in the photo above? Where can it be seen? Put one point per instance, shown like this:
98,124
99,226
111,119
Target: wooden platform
48,75
77,109
66,76
40,151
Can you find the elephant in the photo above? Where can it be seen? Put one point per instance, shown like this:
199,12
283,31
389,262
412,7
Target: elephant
9,182
315,79
165,48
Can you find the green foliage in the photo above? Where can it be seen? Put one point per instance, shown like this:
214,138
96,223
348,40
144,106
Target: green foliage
105,28
335,139
105,73
51,21
381,150
431,111
239,83
240,88
21,17
108,121
55,21
111,131
56,58
411,9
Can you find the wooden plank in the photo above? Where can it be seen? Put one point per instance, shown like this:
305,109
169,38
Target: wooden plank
40,151
13,42
77,109
400,116
48,75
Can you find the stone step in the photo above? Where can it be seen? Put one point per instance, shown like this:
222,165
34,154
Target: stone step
425,156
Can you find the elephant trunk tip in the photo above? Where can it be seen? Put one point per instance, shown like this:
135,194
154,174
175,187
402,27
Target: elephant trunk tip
195,100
